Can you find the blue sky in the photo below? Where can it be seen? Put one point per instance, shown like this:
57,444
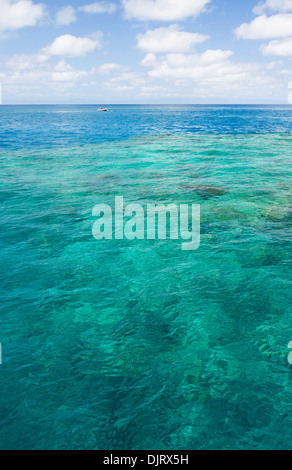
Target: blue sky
146,51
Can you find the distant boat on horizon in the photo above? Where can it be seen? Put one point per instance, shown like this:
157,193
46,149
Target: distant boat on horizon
102,109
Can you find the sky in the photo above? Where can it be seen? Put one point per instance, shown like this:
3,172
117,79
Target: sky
146,51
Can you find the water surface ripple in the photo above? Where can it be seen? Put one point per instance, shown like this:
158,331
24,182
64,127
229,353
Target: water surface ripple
137,344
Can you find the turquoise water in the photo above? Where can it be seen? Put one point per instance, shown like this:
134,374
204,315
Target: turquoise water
120,344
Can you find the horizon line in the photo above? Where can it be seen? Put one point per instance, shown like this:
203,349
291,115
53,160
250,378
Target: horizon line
146,104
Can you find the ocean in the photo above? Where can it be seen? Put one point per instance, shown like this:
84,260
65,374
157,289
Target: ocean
136,344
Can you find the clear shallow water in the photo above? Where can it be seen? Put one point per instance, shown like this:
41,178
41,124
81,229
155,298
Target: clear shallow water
139,345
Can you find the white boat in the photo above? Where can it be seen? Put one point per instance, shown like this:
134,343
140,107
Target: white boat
102,109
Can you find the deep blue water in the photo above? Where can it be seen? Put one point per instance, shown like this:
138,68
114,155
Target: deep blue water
46,126
120,344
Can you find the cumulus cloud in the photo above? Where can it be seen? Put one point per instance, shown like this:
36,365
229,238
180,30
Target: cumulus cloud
281,47
30,74
149,60
264,27
172,68
211,64
63,72
171,39
277,26
71,46
124,81
22,62
66,16
273,5
17,14
290,94
110,67
99,7
153,90
163,10
211,74
33,69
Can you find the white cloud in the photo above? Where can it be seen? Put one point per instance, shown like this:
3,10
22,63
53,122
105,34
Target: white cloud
31,70
66,16
211,64
152,90
263,27
110,67
281,47
212,75
281,6
71,46
170,39
22,62
173,70
19,14
120,79
278,26
32,75
163,10
209,77
149,60
290,94
99,7
63,72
